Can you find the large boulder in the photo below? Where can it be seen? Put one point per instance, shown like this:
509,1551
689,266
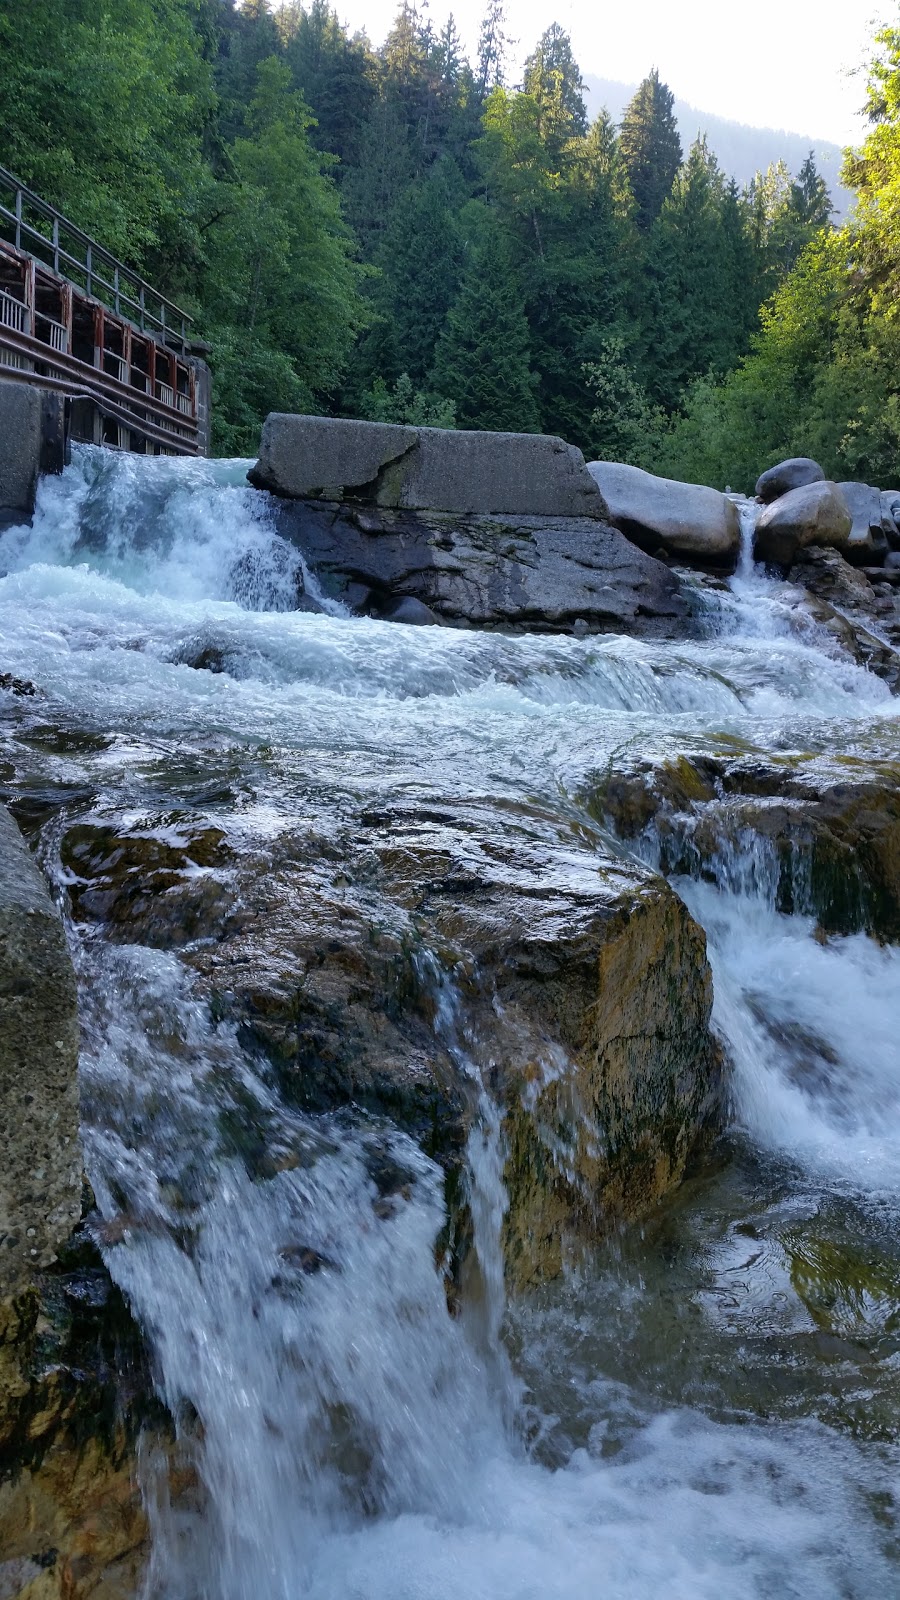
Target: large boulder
683,520
795,473
432,469
580,986
866,544
516,572
814,514
40,1177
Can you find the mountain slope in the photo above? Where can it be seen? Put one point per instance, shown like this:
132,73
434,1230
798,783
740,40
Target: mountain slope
741,150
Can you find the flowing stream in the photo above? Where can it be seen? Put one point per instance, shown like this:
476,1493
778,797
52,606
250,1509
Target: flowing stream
703,1408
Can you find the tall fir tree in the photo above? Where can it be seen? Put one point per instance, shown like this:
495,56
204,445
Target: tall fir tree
334,73
493,44
553,80
691,262
482,362
420,262
651,148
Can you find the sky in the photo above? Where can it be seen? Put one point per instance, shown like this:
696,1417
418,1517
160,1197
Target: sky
790,64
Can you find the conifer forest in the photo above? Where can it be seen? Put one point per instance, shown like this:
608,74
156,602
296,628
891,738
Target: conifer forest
405,234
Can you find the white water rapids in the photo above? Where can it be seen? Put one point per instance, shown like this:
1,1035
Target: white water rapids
673,1423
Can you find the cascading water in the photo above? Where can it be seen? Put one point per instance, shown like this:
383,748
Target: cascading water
350,1437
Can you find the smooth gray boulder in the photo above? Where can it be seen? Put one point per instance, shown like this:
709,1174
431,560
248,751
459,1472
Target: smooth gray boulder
866,543
425,469
40,1174
814,514
550,574
414,613
795,473
686,520
890,517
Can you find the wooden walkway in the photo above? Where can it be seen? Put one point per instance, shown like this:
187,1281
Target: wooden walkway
76,321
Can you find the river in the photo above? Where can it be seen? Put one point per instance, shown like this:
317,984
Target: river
702,1407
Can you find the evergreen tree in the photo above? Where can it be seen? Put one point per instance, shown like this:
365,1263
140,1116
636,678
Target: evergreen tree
387,166
420,262
492,48
576,284
787,214
103,110
651,148
553,80
280,264
697,327
336,76
810,199
482,361
251,36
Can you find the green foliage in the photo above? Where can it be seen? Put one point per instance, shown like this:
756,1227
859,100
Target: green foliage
823,377
625,425
400,402
420,261
553,80
492,48
396,232
103,107
651,148
279,265
482,359
700,267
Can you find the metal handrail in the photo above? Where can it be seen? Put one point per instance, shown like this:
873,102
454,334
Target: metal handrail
94,252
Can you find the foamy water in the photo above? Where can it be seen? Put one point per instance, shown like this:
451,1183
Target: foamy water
353,1438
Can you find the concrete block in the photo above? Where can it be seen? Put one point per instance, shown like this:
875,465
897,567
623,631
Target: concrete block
425,469
21,433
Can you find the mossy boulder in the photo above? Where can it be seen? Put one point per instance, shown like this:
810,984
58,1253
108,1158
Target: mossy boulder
831,825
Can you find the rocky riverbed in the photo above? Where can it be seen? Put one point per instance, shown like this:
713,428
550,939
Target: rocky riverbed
489,1093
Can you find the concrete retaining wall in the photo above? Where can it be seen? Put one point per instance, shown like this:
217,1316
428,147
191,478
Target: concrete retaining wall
32,441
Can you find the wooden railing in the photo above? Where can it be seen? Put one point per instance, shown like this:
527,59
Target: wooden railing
75,320
37,229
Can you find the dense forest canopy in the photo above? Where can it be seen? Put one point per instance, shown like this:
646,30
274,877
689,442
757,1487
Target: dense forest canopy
402,233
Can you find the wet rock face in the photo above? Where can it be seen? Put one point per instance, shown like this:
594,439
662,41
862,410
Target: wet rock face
40,1178
690,523
75,1392
73,1382
517,573
860,609
581,987
828,828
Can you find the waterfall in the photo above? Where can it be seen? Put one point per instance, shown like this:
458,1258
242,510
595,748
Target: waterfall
345,1435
